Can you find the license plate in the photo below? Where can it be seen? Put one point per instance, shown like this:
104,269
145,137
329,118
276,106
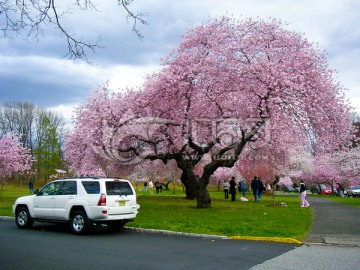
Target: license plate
121,203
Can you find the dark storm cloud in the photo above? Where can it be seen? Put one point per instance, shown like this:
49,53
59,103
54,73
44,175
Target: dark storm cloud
35,71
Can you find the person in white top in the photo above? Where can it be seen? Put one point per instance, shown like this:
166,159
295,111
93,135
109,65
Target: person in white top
226,187
151,186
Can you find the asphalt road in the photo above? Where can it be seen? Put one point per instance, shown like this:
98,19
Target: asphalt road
53,247
333,243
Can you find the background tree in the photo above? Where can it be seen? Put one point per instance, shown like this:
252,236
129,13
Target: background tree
40,130
48,149
13,158
229,85
30,19
19,118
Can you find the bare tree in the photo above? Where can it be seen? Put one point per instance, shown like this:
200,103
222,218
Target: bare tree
18,118
25,120
29,18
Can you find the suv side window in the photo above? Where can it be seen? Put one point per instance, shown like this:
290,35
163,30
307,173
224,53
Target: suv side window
118,188
68,188
91,187
50,189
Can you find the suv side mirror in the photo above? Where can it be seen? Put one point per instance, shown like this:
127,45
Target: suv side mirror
37,192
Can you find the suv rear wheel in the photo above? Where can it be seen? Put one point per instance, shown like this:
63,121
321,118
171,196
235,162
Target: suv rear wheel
23,219
79,222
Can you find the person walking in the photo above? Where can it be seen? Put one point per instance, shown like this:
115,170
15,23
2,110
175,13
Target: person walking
303,201
226,187
232,190
255,188
260,190
145,186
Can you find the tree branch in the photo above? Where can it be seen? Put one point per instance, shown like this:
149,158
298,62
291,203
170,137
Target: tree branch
32,16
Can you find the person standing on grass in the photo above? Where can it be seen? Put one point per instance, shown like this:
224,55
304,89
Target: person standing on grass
157,186
145,186
31,186
255,188
261,189
243,187
151,186
303,201
232,190
226,187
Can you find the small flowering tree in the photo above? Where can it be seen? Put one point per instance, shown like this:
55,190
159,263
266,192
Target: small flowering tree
335,168
347,163
13,157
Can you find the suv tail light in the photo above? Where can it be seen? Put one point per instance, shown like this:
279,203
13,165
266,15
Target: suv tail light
102,200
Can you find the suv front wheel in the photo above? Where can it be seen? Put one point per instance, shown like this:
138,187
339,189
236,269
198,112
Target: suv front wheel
23,219
79,222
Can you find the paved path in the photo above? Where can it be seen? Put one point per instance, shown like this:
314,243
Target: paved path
334,223
333,242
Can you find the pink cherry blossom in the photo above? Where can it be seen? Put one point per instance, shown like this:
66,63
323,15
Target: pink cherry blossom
13,157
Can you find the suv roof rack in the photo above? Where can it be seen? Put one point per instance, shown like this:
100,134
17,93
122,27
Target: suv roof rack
81,177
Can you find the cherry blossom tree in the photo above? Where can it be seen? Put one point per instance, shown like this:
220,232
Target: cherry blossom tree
13,157
347,163
83,161
223,174
337,168
229,86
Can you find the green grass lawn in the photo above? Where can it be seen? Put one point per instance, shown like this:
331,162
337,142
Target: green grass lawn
226,218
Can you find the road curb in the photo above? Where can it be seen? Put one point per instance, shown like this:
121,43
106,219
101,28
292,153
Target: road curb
6,218
249,238
175,233
268,239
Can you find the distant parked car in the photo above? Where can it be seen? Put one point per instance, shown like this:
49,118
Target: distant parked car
324,190
288,189
297,189
353,191
320,189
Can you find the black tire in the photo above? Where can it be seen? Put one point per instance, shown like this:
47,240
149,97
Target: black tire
116,226
79,222
23,219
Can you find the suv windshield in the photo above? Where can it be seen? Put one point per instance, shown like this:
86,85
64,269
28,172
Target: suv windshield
118,188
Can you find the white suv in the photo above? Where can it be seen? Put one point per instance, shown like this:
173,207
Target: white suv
82,202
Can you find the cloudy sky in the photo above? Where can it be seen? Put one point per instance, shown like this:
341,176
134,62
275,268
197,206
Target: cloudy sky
36,71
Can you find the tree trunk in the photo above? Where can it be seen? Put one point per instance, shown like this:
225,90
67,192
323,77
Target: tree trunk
196,189
189,191
203,199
